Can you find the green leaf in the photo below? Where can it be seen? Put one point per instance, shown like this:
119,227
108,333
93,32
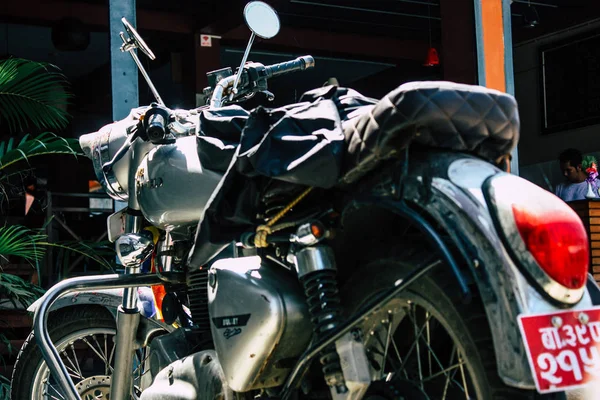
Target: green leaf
17,289
32,94
43,144
19,241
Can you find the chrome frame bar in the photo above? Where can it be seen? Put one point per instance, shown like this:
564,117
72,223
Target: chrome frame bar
40,322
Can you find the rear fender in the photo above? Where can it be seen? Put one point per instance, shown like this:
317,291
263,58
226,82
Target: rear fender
446,189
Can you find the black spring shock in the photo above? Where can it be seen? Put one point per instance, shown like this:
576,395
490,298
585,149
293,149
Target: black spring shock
198,298
324,304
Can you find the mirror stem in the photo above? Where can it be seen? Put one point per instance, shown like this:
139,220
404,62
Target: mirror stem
239,74
131,51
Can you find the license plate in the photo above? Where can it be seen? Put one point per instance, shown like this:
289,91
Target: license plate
116,224
563,348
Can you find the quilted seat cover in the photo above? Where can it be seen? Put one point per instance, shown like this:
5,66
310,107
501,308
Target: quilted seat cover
445,115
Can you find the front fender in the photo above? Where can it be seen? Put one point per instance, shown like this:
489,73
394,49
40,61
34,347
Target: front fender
110,299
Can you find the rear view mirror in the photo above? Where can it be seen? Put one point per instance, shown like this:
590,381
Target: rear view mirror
262,19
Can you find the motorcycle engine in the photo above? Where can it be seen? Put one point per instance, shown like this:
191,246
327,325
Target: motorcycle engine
198,376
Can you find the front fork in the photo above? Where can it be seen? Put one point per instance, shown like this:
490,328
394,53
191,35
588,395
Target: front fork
132,250
345,365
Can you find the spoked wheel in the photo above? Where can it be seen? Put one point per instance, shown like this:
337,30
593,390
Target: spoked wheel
413,355
426,344
85,340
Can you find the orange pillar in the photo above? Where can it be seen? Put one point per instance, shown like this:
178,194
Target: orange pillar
494,50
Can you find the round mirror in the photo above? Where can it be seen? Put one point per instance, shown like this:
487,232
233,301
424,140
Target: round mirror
137,39
262,19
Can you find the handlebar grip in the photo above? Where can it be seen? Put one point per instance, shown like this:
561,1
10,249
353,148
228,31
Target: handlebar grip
299,64
157,127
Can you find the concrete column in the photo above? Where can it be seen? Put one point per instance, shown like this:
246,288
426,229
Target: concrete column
124,74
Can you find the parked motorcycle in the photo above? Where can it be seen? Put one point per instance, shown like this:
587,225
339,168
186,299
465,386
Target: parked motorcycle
341,247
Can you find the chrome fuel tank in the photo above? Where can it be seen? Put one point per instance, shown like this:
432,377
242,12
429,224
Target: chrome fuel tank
173,187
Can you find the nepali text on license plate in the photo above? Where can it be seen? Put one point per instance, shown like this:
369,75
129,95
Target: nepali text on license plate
563,348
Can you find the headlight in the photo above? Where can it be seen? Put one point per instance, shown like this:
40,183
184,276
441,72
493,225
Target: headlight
100,147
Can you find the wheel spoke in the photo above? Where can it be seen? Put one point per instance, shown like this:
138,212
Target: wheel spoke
47,393
106,365
413,346
96,351
448,375
72,368
399,358
428,333
444,372
417,337
464,379
432,353
75,358
387,342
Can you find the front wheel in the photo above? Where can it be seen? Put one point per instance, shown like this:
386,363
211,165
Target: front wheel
85,340
426,344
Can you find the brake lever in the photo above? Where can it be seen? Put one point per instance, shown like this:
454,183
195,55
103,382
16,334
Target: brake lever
270,95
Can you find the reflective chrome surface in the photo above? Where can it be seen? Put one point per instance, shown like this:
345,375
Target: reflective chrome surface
316,258
172,185
101,146
262,19
259,318
133,249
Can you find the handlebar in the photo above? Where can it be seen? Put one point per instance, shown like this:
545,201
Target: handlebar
299,64
256,76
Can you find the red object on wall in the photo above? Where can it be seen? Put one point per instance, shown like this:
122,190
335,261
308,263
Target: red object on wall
432,58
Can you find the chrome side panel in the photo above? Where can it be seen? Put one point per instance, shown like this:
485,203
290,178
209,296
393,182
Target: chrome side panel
259,321
172,185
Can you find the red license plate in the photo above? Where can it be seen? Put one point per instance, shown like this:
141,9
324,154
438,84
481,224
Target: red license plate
563,348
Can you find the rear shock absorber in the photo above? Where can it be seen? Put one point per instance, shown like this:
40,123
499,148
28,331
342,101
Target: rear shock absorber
317,273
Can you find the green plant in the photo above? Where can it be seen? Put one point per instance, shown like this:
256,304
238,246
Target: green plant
32,94
43,144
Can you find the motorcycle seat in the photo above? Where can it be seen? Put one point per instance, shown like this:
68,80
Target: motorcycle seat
444,115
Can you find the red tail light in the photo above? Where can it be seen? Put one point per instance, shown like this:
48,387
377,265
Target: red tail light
557,240
545,237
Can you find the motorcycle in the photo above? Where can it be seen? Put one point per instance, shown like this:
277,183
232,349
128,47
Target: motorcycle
341,247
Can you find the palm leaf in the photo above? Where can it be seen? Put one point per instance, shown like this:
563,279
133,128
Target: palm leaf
32,94
19,241
4,388
102,253
43,144
18,290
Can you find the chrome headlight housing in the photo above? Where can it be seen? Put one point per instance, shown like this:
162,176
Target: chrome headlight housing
101,147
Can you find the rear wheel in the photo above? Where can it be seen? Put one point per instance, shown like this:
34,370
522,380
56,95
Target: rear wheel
426,344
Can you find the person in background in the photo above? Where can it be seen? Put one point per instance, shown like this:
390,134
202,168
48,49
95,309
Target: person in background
571,166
